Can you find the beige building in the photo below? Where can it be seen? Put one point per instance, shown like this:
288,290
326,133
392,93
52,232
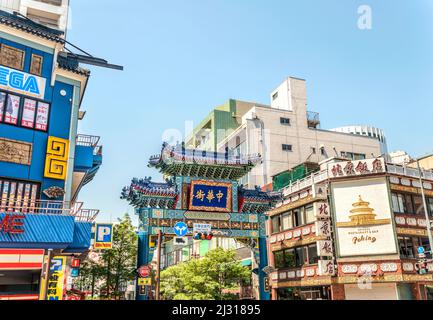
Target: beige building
51,13
286,135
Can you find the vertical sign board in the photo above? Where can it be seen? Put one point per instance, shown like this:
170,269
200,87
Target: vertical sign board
103,236
56,282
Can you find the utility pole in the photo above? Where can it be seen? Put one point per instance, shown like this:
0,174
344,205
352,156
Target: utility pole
158,267
429,233
47,274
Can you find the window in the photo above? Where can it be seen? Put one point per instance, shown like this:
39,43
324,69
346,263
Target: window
24,112
313,150
418,205
276,224
313,258
279,259
275,96
409,246
430,206
285,121
298,217
36,65
287,147
309,214
18,196
287,221
397,203
12,57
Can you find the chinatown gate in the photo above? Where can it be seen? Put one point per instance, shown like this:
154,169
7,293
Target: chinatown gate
201,187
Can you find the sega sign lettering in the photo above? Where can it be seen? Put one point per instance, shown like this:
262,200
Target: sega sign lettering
103,236
22,82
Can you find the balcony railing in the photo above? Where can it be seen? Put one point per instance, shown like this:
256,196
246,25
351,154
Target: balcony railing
41,207
321,176
86,215
87,141
44,207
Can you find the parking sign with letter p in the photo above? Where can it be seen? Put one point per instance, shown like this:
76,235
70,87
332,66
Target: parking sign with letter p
103,236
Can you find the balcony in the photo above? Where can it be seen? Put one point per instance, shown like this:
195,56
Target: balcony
313,120
88,160
50,208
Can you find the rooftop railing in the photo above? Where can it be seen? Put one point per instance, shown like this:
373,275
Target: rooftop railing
321,176
87,140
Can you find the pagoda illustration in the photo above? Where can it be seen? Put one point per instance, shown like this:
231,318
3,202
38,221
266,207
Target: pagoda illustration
362,215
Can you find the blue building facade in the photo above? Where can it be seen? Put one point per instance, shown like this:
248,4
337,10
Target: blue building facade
44,162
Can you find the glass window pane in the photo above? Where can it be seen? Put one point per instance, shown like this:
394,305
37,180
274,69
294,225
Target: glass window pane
312,254
2,104
409,204
287,222
42,116
275,224
418,205
309,215
29,110
290,258
12,109
279,259
395,205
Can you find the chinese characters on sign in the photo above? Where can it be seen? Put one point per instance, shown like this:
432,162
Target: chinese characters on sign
353,168
210,196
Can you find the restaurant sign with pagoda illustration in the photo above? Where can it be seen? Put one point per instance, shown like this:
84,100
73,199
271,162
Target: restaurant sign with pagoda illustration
201,188
363,217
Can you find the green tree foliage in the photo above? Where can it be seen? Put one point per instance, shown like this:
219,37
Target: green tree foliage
205,279
117,265
120,261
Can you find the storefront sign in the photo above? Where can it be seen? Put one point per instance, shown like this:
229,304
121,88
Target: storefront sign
57,279
211,196
12,224
22,82
363,218
356,168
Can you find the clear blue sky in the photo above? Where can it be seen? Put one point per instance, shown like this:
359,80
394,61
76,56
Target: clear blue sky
182,58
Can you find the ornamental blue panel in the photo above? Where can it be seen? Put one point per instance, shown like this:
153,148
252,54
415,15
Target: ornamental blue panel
211,196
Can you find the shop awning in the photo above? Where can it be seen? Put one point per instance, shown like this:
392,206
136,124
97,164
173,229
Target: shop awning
40,231
82,238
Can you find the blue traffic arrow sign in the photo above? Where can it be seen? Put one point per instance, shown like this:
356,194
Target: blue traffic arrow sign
181,229
421,250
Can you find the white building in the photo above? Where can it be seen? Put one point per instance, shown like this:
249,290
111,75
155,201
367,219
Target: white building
286,135
51,13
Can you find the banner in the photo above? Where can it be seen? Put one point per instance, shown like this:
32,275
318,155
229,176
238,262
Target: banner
56,281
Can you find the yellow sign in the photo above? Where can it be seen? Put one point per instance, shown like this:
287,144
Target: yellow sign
56,162
56,280
145,282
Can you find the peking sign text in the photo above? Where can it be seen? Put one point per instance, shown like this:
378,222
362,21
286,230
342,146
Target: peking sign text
356,168
12,223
